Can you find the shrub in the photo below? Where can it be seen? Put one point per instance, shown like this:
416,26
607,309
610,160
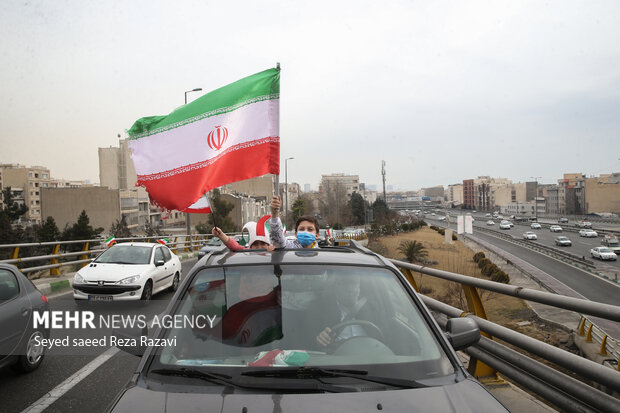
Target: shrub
441,231
489,269
482,262
478,256
454,237
500,277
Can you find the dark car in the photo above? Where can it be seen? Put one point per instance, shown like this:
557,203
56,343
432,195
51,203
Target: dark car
20,343
323,238
563,242
335,328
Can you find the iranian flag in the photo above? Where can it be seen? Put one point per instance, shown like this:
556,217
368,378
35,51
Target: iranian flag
228,135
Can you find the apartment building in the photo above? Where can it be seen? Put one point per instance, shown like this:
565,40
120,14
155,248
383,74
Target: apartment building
603,194
26,184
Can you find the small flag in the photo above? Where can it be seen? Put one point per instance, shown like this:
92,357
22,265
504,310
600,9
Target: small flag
110,241
163,241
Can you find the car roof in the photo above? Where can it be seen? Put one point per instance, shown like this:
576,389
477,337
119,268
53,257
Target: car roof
353,254
137,244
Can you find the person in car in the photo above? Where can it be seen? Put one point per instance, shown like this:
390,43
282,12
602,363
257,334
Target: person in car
306,229
344,302
259,236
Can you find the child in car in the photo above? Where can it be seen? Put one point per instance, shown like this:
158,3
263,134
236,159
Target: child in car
259,236
306,229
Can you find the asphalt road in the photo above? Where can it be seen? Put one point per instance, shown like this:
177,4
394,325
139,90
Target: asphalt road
586,284
95,391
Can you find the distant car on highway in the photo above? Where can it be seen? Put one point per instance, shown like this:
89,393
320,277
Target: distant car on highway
584,224
20,342
563,220
490,222
488,215
504,225
603,253
535,225
611,242
507,223
555,228
563,241
529,235
588,233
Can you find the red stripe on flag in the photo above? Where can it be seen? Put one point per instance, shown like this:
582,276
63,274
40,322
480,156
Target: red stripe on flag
182,189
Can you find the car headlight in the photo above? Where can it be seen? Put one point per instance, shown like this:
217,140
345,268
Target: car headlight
129,280
78,278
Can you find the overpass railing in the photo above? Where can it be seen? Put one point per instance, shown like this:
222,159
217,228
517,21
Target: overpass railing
489,357
81,252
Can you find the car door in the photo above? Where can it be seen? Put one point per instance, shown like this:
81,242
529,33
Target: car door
14,312
163,273
171,264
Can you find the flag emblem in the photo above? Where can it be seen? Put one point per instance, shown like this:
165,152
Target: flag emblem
217,137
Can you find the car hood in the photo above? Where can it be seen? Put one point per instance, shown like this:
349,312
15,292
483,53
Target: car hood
112,272
465,396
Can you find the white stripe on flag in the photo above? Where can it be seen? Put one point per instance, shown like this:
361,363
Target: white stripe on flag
187,144
201,205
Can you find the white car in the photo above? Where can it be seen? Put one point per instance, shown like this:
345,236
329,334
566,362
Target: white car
584,224
563,241
490,222
603,253
529,235
555,228
504,225
128,271
588,233
507,223
535,225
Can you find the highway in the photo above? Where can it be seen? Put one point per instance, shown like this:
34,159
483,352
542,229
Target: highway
590,286
95,391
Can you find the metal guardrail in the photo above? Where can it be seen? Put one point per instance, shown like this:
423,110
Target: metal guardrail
58,259
488,357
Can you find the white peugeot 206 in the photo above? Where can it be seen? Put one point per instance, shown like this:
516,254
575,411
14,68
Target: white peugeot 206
128,271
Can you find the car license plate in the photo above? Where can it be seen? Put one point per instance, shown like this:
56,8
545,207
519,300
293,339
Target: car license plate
100,298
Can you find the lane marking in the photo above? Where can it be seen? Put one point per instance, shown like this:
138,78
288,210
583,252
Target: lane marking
58,391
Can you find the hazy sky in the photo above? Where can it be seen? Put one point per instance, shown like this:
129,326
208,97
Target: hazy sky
442,91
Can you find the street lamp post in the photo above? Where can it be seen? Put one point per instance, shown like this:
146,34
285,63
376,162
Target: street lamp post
536,196
188,225
286,189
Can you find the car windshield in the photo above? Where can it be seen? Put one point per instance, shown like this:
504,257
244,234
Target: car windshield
604,250
263,319
130,254
214,242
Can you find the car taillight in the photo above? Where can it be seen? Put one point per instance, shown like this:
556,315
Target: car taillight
44,298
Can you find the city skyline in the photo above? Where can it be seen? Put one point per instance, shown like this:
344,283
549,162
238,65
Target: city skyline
438,90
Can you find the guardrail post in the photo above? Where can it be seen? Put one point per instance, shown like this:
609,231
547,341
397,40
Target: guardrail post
589,333
603,351
85,256
476,368
582,325
15,253
55,270
188,243
409,276
174,250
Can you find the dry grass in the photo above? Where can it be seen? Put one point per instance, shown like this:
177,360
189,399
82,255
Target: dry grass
457,257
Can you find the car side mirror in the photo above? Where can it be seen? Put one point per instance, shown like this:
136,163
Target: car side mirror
159,263
130,340
462,332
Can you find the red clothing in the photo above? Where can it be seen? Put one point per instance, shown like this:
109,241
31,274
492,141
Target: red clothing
234,245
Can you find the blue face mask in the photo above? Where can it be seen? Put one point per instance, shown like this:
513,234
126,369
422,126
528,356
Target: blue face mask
305,238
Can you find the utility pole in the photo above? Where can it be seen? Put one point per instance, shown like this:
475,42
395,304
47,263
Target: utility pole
383,173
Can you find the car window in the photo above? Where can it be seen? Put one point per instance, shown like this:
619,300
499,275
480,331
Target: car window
256,311
167,254
9,286
125,254
159,254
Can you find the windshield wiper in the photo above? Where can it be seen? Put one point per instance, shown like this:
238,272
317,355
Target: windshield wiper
197,374
224,379
315,372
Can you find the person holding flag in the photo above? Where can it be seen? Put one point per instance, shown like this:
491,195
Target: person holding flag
306,229
259,236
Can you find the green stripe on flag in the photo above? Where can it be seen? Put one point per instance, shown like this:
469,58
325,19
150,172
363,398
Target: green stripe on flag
256,88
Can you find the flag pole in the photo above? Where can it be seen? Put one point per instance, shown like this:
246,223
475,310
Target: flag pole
212,209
